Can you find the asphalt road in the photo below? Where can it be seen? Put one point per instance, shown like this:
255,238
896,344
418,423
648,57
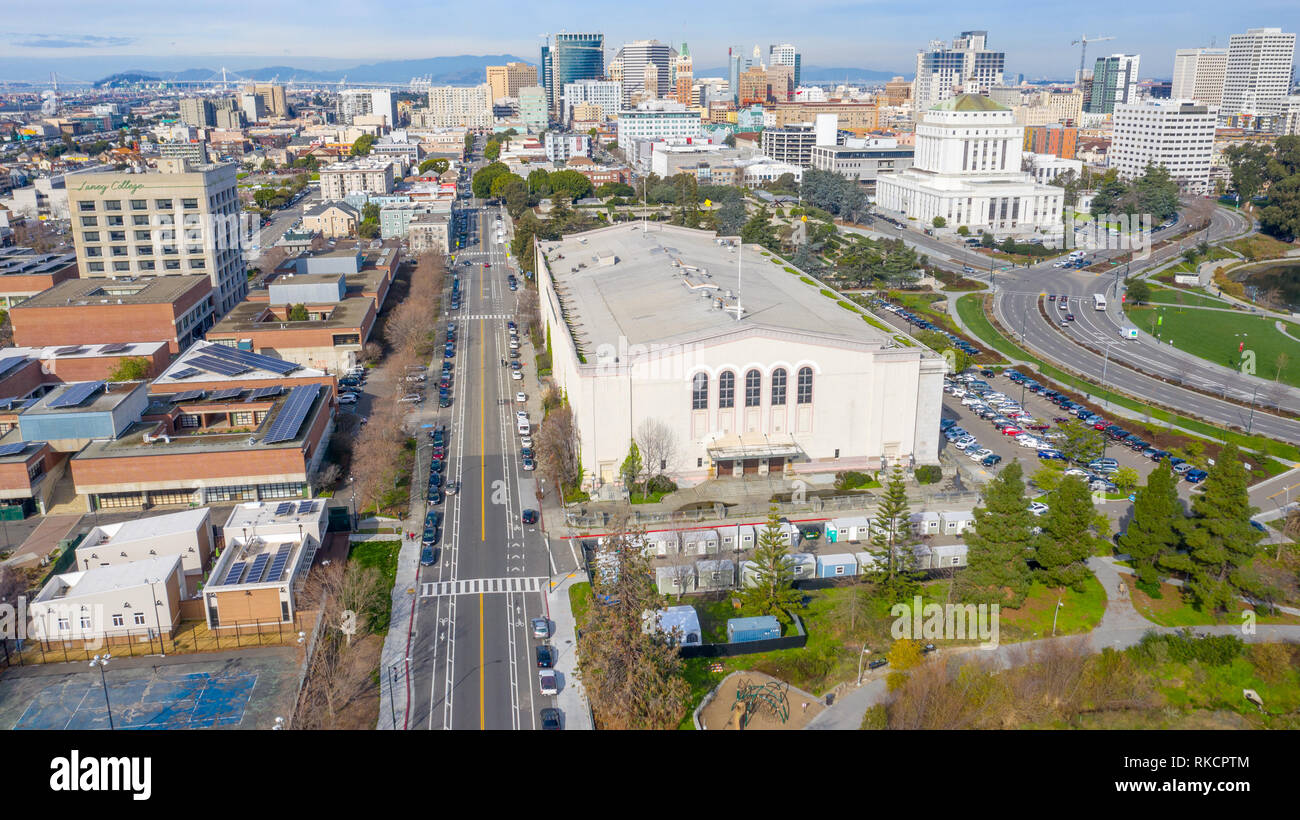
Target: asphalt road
472,656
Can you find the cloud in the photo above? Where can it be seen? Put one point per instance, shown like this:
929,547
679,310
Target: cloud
71,41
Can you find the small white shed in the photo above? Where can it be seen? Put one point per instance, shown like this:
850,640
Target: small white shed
714,574
925,523
700,542
676,580
956,523
855,528
737,538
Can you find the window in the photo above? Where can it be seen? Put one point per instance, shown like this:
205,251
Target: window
146,265
700,392
89,221
163,204
114,221
119,250
122,266
90,236
804,395
142,236
86,207
94,252
138,617
118,621
95,267
144,250
727,390
117,236
139,204
85,622
190,204
64,624
139,219
112,204
753,388
172,264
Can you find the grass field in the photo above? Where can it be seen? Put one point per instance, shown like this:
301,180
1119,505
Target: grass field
1260,246
1214,336
1179,296
1171,609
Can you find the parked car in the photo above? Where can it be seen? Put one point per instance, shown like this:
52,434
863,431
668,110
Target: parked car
551,719
1195,476
428,555
347,398
545,656
541,627
529,516
548,682
1038,508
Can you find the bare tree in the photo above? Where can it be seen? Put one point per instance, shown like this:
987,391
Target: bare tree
558,448
660,449
327,477
346,597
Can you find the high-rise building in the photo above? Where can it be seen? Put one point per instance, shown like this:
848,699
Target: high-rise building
608,94
533,108
228,113
753,86
684,76
546,74
897,92
198,112
1175,134
572,57
273,99
786,54
184,219
1198,74
968,65
355,102
253,106
635,56
1257,78
652,121
1288,121
780,83
452,106
1114,82
506,80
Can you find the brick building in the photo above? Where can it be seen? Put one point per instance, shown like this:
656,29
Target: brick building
1057,140
25,273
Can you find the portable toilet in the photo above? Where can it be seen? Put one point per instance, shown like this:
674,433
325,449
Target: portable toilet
835,566
956,523
676,580
700,542
757,628
714,574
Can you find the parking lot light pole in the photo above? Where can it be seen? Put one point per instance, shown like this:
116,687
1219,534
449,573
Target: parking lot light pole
101,661
861,656
1056,612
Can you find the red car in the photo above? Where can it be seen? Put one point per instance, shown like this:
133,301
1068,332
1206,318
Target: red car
1037,426
1101,425
1011,431
486,265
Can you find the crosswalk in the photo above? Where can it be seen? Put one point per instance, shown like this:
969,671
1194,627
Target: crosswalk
475,586
473,316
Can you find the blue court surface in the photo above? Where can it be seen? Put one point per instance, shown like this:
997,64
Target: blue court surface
180,700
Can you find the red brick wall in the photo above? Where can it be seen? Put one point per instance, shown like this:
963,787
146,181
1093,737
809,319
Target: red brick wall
238,466
84,369
22,380
37,282
94,324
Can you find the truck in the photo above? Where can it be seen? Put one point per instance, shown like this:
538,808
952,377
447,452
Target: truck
1128,333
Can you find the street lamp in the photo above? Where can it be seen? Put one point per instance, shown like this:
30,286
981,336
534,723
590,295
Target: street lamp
1056,612
1106,362
861,656
101,661
157,619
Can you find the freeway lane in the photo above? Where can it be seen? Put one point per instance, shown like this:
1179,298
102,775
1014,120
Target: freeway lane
473,666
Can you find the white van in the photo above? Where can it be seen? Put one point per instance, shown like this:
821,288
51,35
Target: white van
524,428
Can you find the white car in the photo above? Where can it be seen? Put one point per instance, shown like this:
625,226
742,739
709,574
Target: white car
980,454
521,415
1031,443
966,443
514,344
521,397
1038,508
971,401
517,375
525,441
347,398
1078,472
547,682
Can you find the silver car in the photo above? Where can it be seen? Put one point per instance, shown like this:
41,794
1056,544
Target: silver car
541,628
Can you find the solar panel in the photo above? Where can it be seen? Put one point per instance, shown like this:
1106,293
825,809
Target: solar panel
215,365
285,508
289,420
222,395
115,347
305,507
76,394
259,564
185,373
69,350
188,395
236,572
266,392
10,363
246,357
277,566
12,449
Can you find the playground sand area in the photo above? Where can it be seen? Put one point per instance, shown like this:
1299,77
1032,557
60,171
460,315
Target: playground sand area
718,715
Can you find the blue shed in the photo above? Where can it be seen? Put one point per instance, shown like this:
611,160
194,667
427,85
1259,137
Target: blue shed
838,565
757,628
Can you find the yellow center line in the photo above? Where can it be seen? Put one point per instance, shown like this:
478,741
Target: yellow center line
482,711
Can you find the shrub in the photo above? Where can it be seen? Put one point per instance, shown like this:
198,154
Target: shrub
928,474
851,480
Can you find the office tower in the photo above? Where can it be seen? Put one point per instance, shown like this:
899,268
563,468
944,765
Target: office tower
198,112
253,106
635,56
1198,74
355,103
184,219
573,57
608,94
1114,81
1177,135
1257,78
786,54
546,74
533,108
684,76
968,65
506,80
273,99
733,73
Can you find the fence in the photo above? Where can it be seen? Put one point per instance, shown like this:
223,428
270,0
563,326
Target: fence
189,636
730,650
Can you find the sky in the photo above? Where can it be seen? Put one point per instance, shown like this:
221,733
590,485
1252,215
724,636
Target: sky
872,34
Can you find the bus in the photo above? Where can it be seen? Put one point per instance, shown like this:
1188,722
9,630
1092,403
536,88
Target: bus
1098,301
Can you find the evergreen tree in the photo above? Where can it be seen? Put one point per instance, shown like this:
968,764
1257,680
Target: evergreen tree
758,230
894,571
631,467
998,546
1068,536
1152,532
1220,541
772,592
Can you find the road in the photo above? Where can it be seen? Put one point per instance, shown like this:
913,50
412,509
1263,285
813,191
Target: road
472,654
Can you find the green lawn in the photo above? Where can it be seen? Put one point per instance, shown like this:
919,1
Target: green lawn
580,601
1215,335
970,309
1080,612
1171,609
1178,296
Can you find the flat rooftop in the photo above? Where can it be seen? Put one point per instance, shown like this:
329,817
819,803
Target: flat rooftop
242,318
106,579
138,529
655,290
158,290
101,401
177,376
256,514
26,262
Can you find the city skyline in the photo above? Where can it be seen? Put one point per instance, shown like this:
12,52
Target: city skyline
278,34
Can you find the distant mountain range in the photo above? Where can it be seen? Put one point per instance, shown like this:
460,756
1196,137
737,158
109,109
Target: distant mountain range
822,74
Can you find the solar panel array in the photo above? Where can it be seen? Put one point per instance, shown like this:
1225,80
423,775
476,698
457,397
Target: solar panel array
214,365
12,449
188,395
10,363
285,508
76,394
8,404
250,359
277,566
223,395
292,414
115,347
186,372
266,392
70,350
306,507
236,572
255,571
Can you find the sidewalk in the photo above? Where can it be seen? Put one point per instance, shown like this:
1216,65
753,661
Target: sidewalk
572,699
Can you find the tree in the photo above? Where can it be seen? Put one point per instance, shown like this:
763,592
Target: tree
370,212
497,189
1139,291
1126,478
1081,443
572,183
1067,538
298,313
1248,167
1048,476
557,448
438,164
659,447
630,669
492,150
481,184
891,528
729,140
1281,216
772,591
539,183
962,230
1152,531
1220,540
939,222
515,194
362,146
986,239
368,229
130,369
758,231
998,545
631,468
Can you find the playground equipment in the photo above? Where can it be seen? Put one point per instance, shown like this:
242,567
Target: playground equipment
752,697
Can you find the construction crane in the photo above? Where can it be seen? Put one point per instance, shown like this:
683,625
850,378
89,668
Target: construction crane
1083,51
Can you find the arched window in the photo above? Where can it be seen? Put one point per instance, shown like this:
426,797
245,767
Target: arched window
700,392
778,386
804,395
753,388
727,390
